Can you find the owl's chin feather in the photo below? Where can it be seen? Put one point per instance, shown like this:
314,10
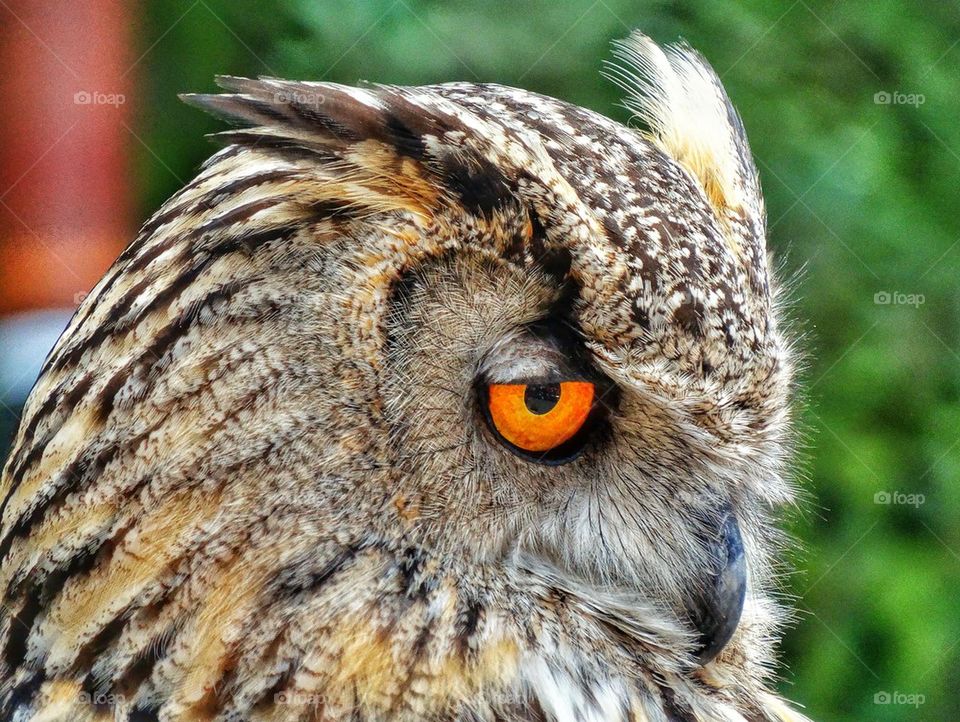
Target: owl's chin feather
693,635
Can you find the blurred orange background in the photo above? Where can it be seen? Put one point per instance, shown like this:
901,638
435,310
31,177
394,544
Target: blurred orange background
65,204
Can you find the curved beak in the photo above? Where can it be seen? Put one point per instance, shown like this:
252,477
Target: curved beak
715,609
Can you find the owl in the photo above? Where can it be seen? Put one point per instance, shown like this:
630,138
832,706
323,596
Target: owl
450,403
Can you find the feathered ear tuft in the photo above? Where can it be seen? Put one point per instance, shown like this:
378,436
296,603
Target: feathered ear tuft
681,102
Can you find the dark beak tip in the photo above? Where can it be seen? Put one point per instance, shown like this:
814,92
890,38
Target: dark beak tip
716,614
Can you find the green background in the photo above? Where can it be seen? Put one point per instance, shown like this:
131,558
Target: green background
861,202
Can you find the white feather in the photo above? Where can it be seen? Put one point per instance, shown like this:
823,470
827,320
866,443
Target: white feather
681,102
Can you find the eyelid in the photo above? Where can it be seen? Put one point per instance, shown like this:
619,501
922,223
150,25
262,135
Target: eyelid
536,380
524,357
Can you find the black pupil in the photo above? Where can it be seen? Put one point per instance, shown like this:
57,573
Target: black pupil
540,399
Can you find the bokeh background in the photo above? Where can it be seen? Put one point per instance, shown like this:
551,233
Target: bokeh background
852,112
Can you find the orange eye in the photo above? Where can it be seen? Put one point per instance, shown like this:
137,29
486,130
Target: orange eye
539,417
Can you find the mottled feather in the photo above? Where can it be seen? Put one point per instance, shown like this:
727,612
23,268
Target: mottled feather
253,483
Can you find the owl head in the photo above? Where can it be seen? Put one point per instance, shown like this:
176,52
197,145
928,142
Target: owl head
453,402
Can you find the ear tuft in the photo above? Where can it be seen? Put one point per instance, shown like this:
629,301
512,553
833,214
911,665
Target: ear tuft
681,102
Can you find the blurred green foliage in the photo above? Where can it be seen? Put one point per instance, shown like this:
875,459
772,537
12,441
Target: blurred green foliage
861,200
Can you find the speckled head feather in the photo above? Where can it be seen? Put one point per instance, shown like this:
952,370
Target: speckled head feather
255,480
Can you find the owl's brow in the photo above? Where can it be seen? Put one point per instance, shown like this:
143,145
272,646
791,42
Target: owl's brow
333,118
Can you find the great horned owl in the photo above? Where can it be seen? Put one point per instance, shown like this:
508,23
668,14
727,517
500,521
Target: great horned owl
453,402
